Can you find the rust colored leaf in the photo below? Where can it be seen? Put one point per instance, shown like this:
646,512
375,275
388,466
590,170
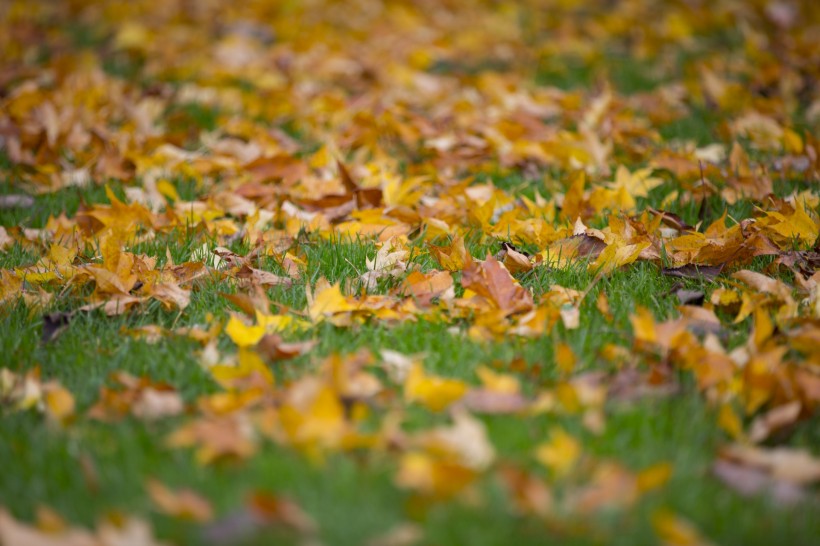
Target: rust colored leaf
492,280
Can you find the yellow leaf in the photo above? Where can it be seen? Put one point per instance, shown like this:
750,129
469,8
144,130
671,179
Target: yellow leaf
325,417
792,142
673,530
454,257
327,300
798,226
132,36
643,325
277,323
573,205
763,326
168,190
567,396
729,421
496,382
432,475
564,357
249,364
316,421
654,476
242,334
616,255
59,402
560,453
435,393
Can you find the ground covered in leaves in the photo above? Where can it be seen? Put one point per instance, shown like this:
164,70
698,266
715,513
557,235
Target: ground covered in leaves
393,273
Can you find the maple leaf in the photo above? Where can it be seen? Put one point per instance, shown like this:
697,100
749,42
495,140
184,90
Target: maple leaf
438,477
560,453
436,393
326,300
797,226
452,258
242,334
183,504
492,280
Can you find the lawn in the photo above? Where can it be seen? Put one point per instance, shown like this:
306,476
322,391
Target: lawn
409,273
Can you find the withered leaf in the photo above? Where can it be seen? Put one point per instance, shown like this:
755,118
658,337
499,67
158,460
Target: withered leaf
492,280
692,271
671,219
184,504
494,402
54,324
273,348
690,297
16,201
774,420
262,278
371,197
791,465
261,510
750,481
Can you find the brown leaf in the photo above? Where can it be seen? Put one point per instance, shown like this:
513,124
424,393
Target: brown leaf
262,278
14,533
577,246
515,261
247,304
452,258
774,420
364,196
171,295
273,509
762,283
403,534
426,286
493,402
750,481
285,167
217,438
54,324
693,271
16,201
273,348
183,504
492,280
806,262
792,465
140,397
528,492
261,510
671,219
690,297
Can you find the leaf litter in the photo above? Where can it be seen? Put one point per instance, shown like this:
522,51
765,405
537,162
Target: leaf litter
307,124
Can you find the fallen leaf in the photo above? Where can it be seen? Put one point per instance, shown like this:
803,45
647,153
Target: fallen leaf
673,530
792,465
749,481
183,504
16,201
436,393
560,453
692,271
242,334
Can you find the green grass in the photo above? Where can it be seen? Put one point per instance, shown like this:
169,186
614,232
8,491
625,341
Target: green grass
352,496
